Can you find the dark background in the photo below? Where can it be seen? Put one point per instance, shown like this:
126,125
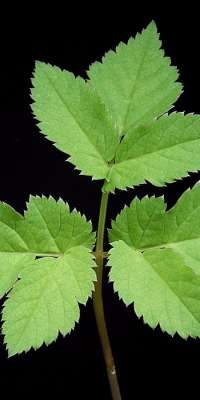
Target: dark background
73,367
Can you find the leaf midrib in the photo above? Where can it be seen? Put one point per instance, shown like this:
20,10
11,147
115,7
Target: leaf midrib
29,318
171,243
167,244
14,231
138,73
180,299
154,151
72,114
35,253
34,204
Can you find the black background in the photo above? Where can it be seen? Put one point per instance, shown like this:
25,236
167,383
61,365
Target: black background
73,367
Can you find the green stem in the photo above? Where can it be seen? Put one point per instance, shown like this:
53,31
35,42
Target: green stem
98,303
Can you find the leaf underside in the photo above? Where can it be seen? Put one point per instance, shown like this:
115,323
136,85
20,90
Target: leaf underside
155,262
46,257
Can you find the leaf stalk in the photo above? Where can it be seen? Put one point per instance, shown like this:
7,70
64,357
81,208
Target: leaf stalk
98,302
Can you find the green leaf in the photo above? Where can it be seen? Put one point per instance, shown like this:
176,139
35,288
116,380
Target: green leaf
14,253
49,227
156,262
159,152
163,289
146,225
52,284
45,300
112,126
73,117
136,82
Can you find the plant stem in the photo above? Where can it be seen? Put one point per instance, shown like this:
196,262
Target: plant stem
98,303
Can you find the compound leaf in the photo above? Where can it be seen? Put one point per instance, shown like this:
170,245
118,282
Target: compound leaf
52,284
45,300
159,265
73,117
165,149
136,82
112,126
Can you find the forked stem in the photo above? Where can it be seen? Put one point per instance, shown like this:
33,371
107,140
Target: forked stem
98,303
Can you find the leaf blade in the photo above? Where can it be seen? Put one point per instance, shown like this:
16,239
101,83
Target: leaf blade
45,300
53,228
13,248
136,83
47,229
72,116
159,152
146,225
167,245
152,286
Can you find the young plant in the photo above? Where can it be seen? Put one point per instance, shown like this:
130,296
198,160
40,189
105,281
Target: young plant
115,126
